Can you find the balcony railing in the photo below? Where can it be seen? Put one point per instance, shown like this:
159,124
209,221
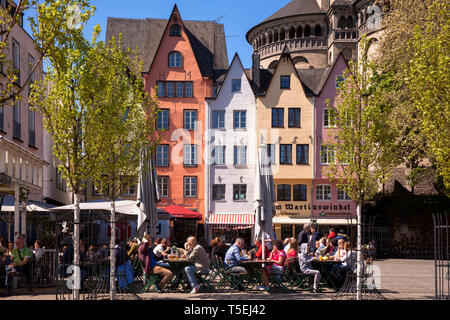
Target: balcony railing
294,45
345,34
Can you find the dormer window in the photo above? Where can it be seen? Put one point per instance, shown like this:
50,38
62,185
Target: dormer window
175,30
174,59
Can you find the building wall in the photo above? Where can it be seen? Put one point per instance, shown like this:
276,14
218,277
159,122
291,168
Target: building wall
230,174
288,98
176,136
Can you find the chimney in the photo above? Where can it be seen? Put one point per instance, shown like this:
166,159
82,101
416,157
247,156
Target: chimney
256,72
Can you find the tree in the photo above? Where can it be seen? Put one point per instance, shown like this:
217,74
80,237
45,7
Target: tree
65,100
127,130
362,144
398,53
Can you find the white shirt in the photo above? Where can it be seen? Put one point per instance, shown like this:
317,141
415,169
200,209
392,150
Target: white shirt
158,250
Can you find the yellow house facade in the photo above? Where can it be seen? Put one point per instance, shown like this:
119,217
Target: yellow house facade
285,123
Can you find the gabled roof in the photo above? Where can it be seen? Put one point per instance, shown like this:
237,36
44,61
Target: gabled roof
207,39
221,79
328,71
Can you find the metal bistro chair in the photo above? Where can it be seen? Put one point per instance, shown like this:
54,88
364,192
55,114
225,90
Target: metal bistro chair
296,279
235,281
149,280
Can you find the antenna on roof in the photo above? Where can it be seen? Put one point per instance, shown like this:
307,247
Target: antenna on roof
217,20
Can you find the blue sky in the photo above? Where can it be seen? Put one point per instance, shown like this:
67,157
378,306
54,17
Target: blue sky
240,16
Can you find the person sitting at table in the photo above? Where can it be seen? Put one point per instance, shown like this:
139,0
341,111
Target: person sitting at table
258,254
286,244
161,250
150,265
341,235
292,253
305,265
339,270
196,254
234,256
91,254
278,257
219,248
19,261
133,249
332,233
155,243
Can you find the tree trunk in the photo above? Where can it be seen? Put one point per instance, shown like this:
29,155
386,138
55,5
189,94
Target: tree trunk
359,252
76,248
112,255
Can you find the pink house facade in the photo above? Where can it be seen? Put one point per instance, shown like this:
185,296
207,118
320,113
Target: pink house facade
328,201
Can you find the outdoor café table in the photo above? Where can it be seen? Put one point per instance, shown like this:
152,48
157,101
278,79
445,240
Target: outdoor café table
177,267
254,270
325,267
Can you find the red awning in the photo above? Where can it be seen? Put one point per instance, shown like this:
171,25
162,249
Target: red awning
182,212
232,221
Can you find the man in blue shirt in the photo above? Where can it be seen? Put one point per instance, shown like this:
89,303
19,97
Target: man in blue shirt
234,256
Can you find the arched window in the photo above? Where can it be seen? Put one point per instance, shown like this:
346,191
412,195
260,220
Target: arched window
275,36
318,31
174,59
291,33
307,31
350,24
270,37
264,40
282,34
175,30
342,23
299,32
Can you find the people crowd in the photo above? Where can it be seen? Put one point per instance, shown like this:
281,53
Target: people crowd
155,256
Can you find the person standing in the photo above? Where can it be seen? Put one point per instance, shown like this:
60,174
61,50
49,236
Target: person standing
313,237
196,254
303,235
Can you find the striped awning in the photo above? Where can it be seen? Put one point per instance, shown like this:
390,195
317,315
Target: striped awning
231,221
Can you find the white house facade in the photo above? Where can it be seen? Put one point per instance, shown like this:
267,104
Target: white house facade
231,156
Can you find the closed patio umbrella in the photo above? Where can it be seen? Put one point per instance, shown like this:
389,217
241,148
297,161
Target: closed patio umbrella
264,197
147,197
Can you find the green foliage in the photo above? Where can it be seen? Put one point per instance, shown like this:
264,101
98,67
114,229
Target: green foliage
362,141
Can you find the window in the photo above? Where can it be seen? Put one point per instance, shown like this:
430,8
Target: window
240,119
218,192
326,154
160,89
174,60
170,89
239,191
240,155
294,118
342,194
163,185
323,192
180,89
283,192
16,60
175,31
215,89
285,82
162,156
189,89
218,119
60,181
190,155
190,119
31,63
302,153
339,80
271,153
16,120
130,191
163,119
285,154
190,187
277,117
99,191
235,85
2,116
218,155
300,192
327,118
31,127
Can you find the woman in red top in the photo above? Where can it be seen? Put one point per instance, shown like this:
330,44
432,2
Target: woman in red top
278,257
332,234
292,252
258,255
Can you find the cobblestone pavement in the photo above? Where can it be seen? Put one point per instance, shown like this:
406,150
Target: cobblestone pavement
399,279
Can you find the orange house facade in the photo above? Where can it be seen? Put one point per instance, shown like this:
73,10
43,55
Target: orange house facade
181,75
